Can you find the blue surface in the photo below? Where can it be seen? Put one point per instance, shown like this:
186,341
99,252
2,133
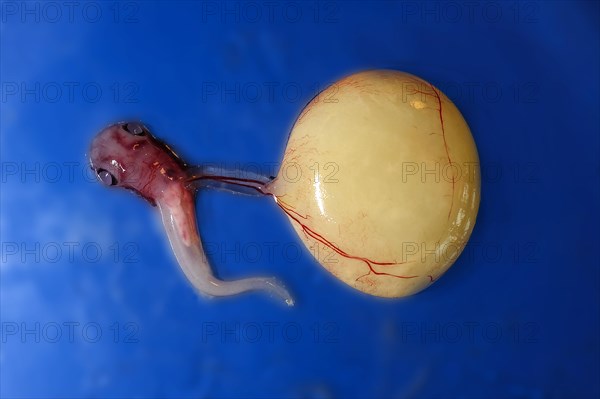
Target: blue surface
517,316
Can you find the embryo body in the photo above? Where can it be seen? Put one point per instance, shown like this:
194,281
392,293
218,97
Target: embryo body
127,155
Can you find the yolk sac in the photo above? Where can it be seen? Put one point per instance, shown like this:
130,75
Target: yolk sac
380,179
389,182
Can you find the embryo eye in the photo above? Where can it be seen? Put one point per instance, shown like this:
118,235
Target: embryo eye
106,177
134,128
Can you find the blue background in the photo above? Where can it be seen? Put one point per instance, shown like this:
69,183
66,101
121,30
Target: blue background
517,316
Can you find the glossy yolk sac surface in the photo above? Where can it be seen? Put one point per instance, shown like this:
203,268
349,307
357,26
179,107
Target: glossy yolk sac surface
381,181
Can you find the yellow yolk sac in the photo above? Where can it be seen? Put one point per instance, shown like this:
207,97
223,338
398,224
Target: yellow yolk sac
381,181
